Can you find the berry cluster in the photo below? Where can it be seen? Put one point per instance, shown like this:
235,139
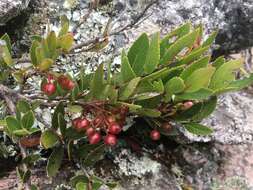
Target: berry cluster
104,125
49,87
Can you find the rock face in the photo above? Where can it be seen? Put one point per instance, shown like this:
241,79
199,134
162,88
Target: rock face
11,8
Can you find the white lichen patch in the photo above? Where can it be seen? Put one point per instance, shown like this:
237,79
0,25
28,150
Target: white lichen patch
130,165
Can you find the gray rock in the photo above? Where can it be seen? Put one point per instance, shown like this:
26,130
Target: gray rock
11,8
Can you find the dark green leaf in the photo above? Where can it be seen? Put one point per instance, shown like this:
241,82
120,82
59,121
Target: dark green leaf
97,83
207,107
149,112
126,72
140,44
12,123
201,94
198,129
192,56
129,89
28,120
54,161
62,124
59,109
23,106
95,155
179,32
153,55
184,42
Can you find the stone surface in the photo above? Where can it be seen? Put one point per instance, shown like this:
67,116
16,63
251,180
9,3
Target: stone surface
11,8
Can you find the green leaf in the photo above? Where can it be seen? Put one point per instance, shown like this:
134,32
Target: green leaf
185,41
201,94
94,155
66,41
7,40
97,83
218,62
59,109
5,53
62,124
174,86
207,107
129,89
36,38
224,75
74,108
141,43
153,55
12,123
192,56
81,186
157,75
127,72
52,43
199,79
49,139
28,120
23,106
198,129
64,25
54,161
77,179
158,86
39,54
149,112
21,132
202,62
132,107
179,32
33,56
242,83
45,64
31,159
210,39
189,114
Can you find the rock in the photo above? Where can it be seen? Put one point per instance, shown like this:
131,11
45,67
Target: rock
11,8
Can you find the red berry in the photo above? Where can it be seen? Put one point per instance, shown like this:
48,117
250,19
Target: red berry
90,131
95,138
155,135
66,83
187,105
70,85
167,127
110,140
81,124
114,128
48,88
